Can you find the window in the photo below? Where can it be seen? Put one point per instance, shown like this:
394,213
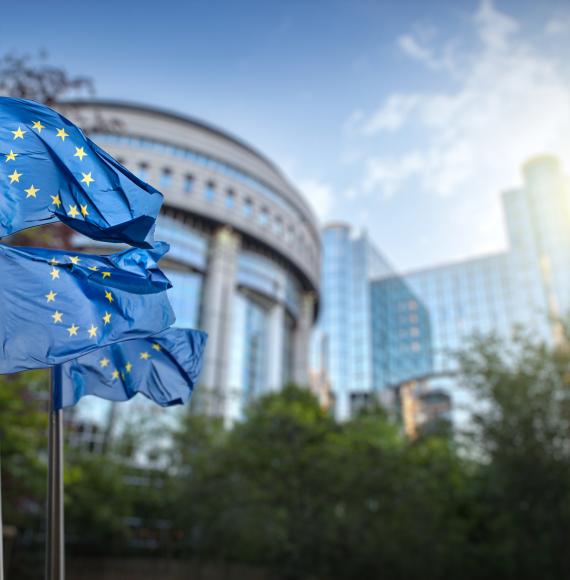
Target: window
248,208
143,171
210,191
279,226
188,183
264,216
166,177
230,198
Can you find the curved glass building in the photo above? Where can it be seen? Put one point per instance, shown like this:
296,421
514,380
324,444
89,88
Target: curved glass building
245,249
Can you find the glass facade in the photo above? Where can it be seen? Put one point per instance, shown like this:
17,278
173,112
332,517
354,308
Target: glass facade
538,225
381,329
185,297
401,334
464,299
342,343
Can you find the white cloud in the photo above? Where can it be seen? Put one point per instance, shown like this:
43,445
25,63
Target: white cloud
417,46
558,25
412,47
511,102
495,28
388,175
320,195
391,115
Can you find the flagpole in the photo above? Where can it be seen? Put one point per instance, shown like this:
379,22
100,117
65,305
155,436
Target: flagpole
1,522
55,545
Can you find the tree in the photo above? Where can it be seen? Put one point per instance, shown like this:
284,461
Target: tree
522,431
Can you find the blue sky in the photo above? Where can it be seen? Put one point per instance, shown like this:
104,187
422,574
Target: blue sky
406,118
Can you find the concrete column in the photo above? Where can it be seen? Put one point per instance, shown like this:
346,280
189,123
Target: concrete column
217,311
276,336
301,340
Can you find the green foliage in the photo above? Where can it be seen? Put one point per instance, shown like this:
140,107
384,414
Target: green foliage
523,433
98,500
23,424
293,491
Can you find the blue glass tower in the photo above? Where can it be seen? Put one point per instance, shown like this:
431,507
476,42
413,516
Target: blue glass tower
380,329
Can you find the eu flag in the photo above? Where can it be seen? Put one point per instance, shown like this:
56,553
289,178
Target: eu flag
56,305
49,170
164,368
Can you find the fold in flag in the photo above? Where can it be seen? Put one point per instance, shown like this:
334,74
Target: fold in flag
164,368
49,170
56,305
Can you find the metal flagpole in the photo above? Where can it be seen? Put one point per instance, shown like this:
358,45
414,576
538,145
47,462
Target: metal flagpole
55,545
1,523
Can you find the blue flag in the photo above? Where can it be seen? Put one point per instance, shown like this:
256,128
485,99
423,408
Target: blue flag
49,170
56,305
164,368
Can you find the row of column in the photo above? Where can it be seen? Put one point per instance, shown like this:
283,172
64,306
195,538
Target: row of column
217,319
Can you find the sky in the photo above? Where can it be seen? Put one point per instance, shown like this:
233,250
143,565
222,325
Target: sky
404,118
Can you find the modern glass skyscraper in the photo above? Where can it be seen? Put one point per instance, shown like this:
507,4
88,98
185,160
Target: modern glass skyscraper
343,339
383,328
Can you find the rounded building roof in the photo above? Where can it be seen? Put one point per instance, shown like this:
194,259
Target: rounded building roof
283,220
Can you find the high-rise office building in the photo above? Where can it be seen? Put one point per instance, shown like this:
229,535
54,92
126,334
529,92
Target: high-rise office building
245,246
412,325
342,341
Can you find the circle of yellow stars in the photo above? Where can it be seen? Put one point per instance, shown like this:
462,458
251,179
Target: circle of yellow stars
73,330
51,296
20,134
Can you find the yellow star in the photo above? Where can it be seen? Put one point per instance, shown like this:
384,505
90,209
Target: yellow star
37,125
74,259
145,355
115,374
51,296
107,318
53,262
57,315
84,211
73,211
18,133
15,177
80,152
156,346
104,362
106,274
108,296
128,367
92,330
87,179
11,156
31,191
73,330
61,133
55,200
54,274
93,268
